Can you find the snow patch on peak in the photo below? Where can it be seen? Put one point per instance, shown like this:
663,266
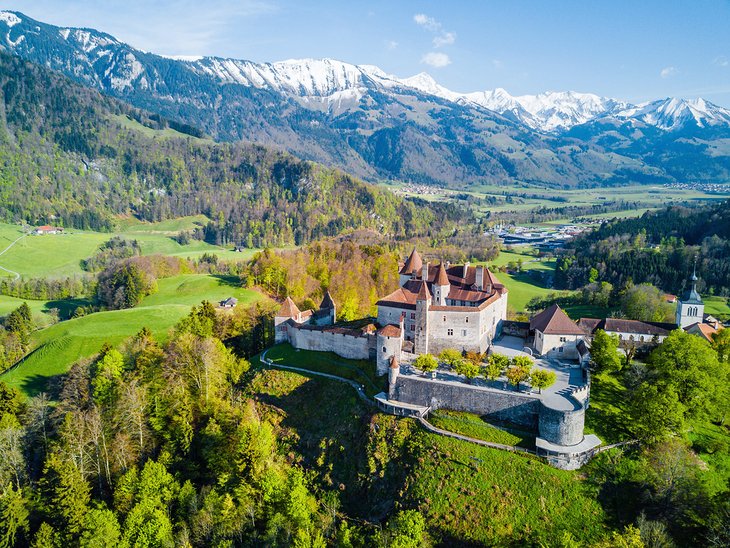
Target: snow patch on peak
10,18
674,113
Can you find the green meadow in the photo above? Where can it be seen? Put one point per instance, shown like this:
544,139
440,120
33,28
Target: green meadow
55,348
60,255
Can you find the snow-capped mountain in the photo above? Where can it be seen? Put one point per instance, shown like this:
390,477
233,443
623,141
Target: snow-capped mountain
380,125
670,114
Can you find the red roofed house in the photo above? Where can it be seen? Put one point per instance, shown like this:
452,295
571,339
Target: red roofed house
47,229
556,334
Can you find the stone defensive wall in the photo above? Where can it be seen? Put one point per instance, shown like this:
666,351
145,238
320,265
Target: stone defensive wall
499,405
558,419
352,344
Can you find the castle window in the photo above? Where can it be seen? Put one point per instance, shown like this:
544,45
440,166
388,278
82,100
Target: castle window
384,350
413,315
563,339
413,327
560,349
463,332
450,332
444,318
467,319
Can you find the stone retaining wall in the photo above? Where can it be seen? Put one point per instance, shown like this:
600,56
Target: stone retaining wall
348,346
502,406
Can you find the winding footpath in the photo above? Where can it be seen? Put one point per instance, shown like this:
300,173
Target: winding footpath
361,393
17,276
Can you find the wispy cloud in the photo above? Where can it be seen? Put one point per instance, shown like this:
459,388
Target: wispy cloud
668,72
428,23
391,44
436,59
496,63
721,61
442,37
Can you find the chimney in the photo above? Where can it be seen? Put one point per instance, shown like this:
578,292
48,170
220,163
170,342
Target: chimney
466,269
480,278
424,272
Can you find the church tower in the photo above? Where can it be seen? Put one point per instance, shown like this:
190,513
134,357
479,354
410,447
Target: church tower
690,308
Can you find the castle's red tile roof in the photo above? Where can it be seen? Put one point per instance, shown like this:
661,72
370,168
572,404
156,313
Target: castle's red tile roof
462,288
414,263
442,278
553,321
394,363
389,331
288,309
423,292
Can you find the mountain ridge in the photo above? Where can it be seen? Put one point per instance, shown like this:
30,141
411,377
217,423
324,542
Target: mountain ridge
377,125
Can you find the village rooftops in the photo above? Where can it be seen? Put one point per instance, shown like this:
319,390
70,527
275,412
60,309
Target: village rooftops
553,321
619,325
704,330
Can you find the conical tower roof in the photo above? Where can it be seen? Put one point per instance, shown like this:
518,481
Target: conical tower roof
423,293
442,278
394,363
327,302
288,309
414,263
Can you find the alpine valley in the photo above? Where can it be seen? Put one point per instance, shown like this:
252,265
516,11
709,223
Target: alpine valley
379,126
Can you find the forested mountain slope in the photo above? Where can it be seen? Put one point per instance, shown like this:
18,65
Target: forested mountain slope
377,125
659,247
71,156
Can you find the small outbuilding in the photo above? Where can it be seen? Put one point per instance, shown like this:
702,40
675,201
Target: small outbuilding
230,302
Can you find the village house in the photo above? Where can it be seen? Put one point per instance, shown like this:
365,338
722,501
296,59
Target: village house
47,229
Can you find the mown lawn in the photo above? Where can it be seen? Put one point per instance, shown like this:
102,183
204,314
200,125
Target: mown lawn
57,347
362,371
717,306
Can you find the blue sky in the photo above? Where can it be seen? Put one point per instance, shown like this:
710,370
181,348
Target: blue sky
634,50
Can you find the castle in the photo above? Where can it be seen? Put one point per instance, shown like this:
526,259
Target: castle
435,307
464,307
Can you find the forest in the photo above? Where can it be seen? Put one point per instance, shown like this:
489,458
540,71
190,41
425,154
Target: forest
659,248
73,157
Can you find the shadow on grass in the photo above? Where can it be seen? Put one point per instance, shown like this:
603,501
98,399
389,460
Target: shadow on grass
66,307
228,281
35,384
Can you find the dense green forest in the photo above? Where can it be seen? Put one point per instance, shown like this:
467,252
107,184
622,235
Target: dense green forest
71,156
658,248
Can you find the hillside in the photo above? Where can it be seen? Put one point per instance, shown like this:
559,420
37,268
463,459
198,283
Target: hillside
73,157
377,125
660,247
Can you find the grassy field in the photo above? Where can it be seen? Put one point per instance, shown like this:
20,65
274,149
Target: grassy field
167,133
469,495
60,345
474,426
717,306
606,414
59,255
649,197
473,495
362,371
